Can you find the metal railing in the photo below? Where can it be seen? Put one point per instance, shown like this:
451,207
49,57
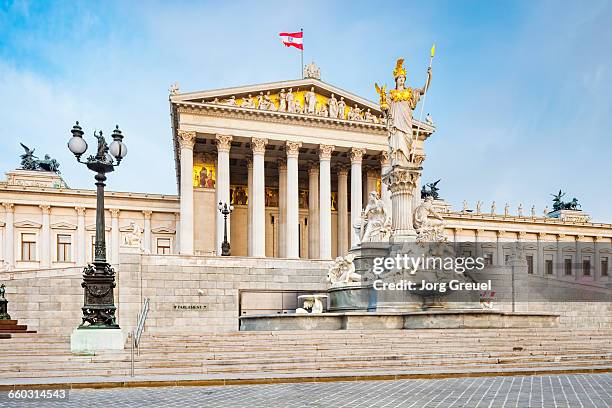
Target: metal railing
137,332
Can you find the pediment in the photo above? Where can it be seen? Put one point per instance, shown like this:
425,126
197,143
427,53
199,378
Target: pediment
163,230
63,225
238,97
27,224
92,227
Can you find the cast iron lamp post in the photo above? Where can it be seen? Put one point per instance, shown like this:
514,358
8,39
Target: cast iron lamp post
225,210
99,277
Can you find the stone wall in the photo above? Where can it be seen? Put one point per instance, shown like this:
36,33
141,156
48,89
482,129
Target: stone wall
196,293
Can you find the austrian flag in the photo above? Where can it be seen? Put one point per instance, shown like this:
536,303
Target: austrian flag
292,39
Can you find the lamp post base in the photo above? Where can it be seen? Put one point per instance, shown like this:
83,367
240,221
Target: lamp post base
90,340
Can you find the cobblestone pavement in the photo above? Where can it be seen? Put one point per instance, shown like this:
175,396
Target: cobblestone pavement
578,390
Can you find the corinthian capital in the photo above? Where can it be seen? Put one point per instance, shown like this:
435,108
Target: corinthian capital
325,152
357,154
186,138
46,209
224,142
8,207
259,145
293,148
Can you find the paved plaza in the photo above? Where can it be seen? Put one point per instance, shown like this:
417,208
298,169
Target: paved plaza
579,390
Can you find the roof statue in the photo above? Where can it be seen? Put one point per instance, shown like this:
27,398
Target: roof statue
431,190
31,162
312,71
558,204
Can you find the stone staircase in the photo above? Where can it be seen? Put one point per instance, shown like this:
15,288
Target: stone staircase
7,327
307,352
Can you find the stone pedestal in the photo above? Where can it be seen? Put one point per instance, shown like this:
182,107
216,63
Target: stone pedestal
91,340
401,181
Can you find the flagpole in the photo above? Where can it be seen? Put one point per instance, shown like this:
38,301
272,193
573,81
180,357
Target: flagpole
302,55
431,55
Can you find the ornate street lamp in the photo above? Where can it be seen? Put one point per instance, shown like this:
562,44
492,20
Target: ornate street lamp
225,210
99,277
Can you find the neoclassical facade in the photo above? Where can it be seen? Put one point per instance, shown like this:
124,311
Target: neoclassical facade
297,160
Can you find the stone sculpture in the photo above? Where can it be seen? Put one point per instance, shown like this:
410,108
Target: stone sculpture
312,302
506,210
133,238
333,106
342,272
375,223
310,102
341,107
174,88
403,101
248,102
493,208
428,223
312,71
290,104
282,101
429,120
478,207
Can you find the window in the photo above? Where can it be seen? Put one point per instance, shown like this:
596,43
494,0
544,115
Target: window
163,246
604,266
530,264
549,266
488,258
28,247
506,259
64,243
586,267
568,266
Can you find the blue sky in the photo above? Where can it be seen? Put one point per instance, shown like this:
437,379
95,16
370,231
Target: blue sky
521,91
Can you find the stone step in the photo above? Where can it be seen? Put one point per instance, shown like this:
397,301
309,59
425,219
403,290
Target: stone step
9,322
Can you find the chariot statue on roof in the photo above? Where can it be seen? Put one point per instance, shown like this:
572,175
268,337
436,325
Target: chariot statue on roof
398,106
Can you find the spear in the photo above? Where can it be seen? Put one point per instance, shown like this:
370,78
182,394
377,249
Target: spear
431,56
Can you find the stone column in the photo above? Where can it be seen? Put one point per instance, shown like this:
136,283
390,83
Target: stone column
500,248
282,208
45,237
147,231
343,246
356,180
177,224
224,143
259,197
115,236
186,141
293,207
385,167
313,211
597,266
9,248
560,270
477,249
325,230
249,207
401,182
81,240
540,264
